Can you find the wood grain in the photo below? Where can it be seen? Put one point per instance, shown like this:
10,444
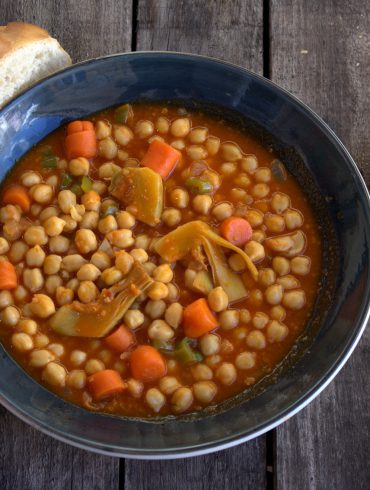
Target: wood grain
28,459
321,52
232,31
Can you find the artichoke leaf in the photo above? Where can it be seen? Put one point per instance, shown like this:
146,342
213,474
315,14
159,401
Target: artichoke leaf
141,189
97,319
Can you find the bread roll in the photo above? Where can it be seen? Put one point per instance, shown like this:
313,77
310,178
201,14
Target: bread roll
27,54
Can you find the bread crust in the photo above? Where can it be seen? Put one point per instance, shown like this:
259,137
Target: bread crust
16,35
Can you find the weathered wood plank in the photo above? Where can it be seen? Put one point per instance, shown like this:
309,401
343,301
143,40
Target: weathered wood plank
320,51
28,459
232,31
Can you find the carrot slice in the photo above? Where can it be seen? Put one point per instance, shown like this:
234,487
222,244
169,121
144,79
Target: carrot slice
17,195
198,319
106,383
147,364
121,339
77,126
236,230
161,158
81,144
8,276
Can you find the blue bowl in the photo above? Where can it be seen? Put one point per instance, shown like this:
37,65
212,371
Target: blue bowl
318,157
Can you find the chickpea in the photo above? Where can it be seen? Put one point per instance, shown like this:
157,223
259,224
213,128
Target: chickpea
169,384
6,299
22,342
123,135
205,391
105,355
254,217
198,135
239,195
70,223
42,306
245,360
288,282
180,127
85,241
35,235
41,193
243,180
78,357
144,129
280,202
196,152
249,164
190,275
255,251
4,246
260,191
210,344
56,349
155,399
182,399
218,299
66,200
48,213
202,204
281,265
266,277
237,263
101,260
171,217
162,125
158,290
79,166
9,212
260,320
111,276
91,200
28,326
256,340
155,309
20,293
107,148
99,187
173,292
108,169
35,256
52,283
276,331
262,174
244,316
142,241
88,272
73,262
134,319
17,251
226,373
94,366
258,236
222,211
180,198
293,219
229,319
228,168
277,312
107,224
102,129
212,145
231,152
54,374
59,244
275,223
274,294
173,315
31,178
160,330
63,295
294,300
90,220
54,226
124,261
121,238
33,279
41,340
135,387
125,219
201,372
76,379
40,358
163,273
301,265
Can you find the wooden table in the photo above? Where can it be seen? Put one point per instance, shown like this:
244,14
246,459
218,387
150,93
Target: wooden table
320,51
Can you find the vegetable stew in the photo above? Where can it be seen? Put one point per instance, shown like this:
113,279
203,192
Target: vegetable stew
153,261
